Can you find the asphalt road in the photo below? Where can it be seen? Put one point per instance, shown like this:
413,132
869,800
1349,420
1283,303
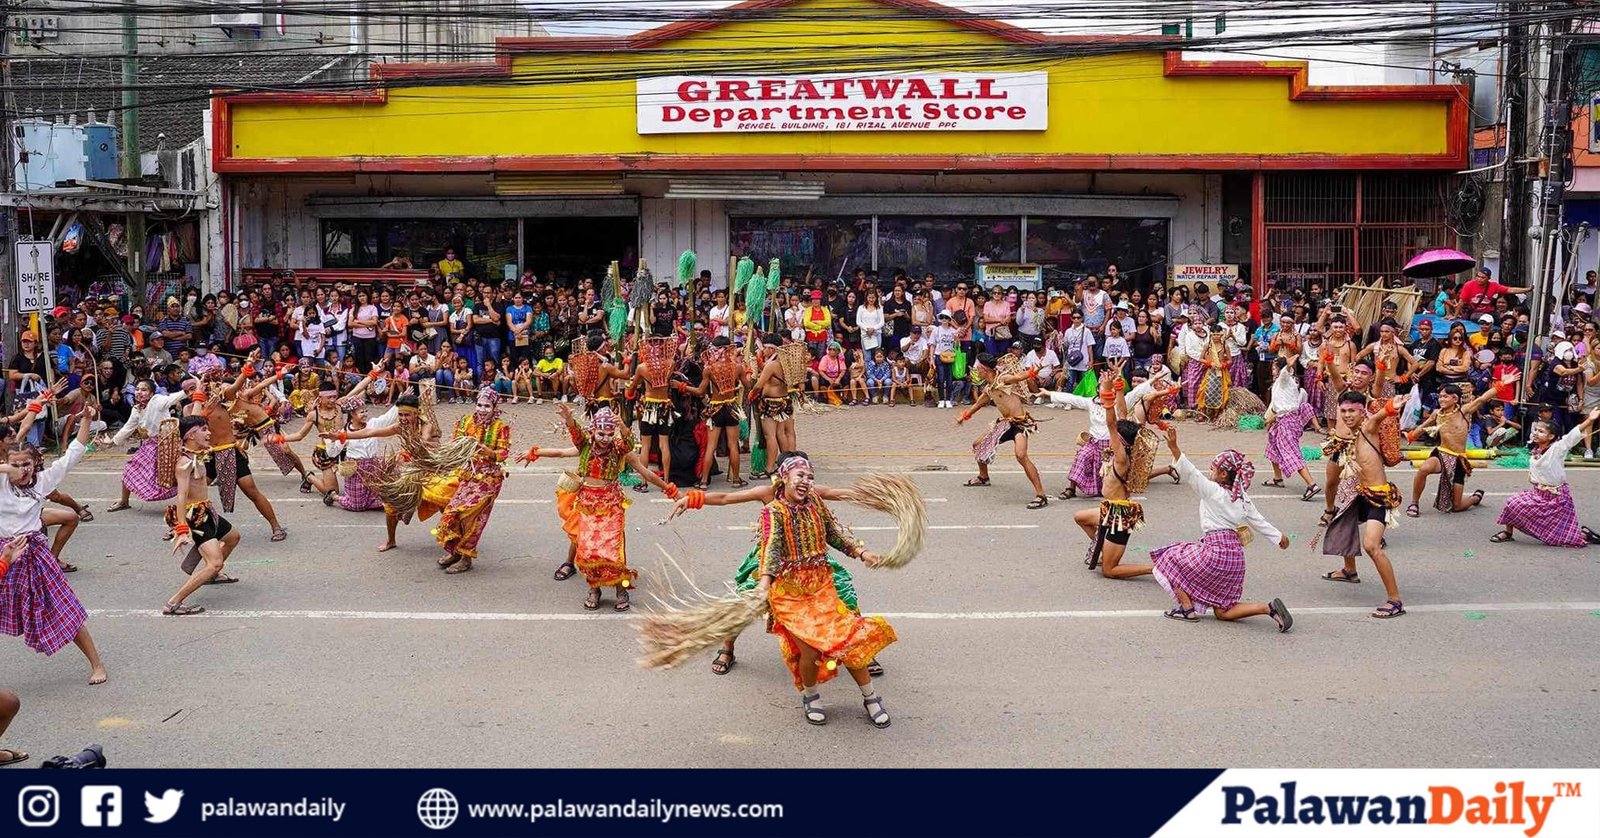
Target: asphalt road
1010,652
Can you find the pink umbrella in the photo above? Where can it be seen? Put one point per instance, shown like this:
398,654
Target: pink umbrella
1437,263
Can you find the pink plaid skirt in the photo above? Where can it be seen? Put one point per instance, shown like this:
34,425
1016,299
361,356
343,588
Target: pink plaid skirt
1547,516
1283,439
1210,571
1315,390
1192,373
139,475
356,497
1239,371
36,603
1086,464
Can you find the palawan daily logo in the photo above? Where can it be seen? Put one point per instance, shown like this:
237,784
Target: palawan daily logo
1394,802
1508,803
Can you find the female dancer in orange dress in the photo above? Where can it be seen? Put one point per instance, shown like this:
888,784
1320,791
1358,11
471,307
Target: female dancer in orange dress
816,631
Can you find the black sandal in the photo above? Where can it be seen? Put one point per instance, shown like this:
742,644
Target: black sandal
566,571
1311,493
592,602
1500,537
1038,502
1276,483
1342,575
976,482
1590,535
1068,493
875,669
723,662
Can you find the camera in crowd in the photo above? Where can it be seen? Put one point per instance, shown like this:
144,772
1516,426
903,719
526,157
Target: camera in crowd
92,756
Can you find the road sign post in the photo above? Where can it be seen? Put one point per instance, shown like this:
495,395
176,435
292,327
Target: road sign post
36,276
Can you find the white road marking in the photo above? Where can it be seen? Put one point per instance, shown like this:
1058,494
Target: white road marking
1149,613
933,527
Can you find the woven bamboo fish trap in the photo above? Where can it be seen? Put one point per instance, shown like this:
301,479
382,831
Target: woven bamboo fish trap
661,357
795,360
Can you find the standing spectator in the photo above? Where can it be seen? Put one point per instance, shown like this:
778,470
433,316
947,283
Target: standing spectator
945,340
300,320
450,269
844,319
897,315
119,343
461,332
205,321
1030,318
997,316
1479,294
720,317
1076,348
870,320
519,326
364,322
922,314
816,324
963,316
336,320
394,332
264,317
1095,306
175,328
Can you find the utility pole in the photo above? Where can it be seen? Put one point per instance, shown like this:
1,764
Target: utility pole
8,213
1514,186
131,168
1555,154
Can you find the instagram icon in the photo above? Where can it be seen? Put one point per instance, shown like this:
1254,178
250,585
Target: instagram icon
38,806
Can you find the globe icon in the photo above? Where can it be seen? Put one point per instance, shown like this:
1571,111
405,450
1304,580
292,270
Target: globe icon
437,808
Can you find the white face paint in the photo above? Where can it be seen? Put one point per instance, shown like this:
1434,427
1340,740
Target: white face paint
24,465
798,483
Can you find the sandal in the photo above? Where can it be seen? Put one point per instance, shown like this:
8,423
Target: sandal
566,571
305,485
592,602
1342,575
643,488
1280,615
1590,535
1276,483
1327,517
446,561
1068,493
1389,610
327,498
119,506
622,602
67,567
976,482
1479,495
1175,478
738,483
279,534
723,662
1038,502
184,610
1185,615
814,715
1413,512
1311,492
1500,537
875,711
460,567
13,756
222,579
85,516
874,668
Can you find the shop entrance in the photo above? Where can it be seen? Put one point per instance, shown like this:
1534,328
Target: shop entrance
574,248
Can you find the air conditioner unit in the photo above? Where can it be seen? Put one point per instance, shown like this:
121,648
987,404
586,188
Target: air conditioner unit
237,20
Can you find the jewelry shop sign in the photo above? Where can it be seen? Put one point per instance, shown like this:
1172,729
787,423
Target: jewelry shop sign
844,102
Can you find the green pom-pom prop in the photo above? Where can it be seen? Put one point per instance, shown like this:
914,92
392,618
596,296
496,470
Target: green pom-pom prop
1251,422
742,274
686,265
1311,453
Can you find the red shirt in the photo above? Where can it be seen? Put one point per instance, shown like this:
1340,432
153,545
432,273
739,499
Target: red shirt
1479,295
1502,391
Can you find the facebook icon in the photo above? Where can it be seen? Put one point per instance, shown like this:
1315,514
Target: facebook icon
102,806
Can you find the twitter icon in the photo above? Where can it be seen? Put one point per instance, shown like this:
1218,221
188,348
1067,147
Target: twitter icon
163,808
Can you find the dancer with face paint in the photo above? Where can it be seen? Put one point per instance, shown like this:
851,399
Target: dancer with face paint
64,520
324,416
817,633
591,502
1006,387
1545,511
36,603
1210,573
746,577
464,518
1449,458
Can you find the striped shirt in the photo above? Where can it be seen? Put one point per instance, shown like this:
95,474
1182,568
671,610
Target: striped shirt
175,345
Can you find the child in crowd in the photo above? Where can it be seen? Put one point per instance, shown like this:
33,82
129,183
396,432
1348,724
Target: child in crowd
1498,428
900,382
857,392
522,383
878,378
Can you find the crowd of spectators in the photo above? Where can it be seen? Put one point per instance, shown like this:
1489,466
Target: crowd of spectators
874,339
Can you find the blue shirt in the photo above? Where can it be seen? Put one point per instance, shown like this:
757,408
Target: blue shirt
175,345
516,315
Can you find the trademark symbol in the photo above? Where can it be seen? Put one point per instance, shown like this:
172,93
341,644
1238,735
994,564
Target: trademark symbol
1569,789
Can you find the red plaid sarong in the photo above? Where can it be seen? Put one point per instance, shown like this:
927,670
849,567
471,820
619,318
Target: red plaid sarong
1283,439
1086,465
36,603
1210,571
139,475
1239,371
1548,516
356,497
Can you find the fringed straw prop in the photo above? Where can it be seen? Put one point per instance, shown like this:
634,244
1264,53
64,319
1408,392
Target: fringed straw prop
900,499
687,625
1241,403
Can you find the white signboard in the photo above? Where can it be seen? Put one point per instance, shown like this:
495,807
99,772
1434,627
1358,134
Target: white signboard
844,102
1209,274
36,276
1026,277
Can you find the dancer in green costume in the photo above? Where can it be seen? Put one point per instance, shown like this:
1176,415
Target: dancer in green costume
747,578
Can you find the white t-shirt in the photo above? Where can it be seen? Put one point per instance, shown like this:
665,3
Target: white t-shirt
915,349
1046,363
720,315
870,321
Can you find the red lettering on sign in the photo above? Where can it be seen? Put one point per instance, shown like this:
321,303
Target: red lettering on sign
730,89
693,91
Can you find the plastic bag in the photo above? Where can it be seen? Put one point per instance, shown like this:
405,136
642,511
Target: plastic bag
958,369
1088,387
1411,414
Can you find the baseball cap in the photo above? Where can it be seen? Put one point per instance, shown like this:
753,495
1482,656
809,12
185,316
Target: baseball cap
1487,318
1582,308
59,312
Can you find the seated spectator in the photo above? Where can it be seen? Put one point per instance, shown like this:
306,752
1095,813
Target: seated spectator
551,374
828,374
1042,358
879,379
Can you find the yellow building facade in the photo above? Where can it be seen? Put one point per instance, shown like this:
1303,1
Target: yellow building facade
841,135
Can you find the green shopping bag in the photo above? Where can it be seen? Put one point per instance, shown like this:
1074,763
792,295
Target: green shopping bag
958,368
1088,387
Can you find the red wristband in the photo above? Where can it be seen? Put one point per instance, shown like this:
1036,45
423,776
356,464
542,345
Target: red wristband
35,407
533,454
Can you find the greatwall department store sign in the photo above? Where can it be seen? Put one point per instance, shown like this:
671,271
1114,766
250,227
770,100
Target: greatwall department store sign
844,102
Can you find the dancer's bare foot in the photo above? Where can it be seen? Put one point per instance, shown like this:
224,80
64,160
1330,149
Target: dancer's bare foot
97,676
386,546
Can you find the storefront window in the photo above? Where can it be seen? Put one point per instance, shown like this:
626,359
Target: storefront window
1070,247
946,247
485,245
824,246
